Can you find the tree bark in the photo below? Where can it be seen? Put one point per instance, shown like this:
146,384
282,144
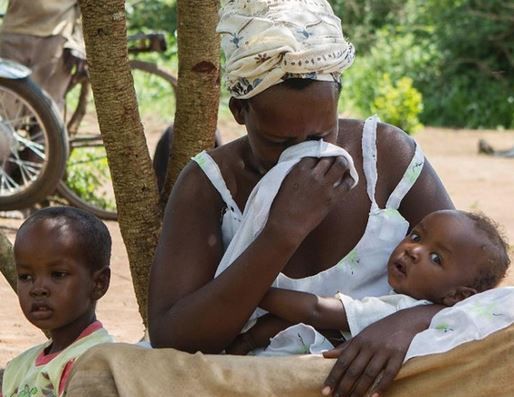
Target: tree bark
134,182
7,265
198,84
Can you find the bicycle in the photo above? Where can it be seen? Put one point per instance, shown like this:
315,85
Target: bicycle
33,142
86,182
45,157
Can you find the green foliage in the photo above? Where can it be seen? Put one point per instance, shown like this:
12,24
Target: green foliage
459,55
399,103
389,69
475,84
363,18
149,16
87,173
152,15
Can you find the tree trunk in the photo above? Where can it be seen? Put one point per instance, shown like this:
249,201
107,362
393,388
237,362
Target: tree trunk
198,84
7,266
134,182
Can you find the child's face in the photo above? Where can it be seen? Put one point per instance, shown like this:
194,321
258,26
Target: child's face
441,255
56,289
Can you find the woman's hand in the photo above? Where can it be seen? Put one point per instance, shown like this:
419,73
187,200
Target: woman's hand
372,359
308,193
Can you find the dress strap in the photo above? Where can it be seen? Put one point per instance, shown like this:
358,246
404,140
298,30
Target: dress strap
409,178
369,157
212,171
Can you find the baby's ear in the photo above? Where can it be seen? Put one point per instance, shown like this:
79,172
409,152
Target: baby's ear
458,294
101,280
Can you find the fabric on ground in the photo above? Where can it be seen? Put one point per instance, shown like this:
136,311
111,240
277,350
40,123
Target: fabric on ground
480,368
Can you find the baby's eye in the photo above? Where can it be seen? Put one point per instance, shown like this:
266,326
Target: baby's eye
59,275
415,236
24,277
435,258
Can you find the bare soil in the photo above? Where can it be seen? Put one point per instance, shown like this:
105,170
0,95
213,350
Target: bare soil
475,182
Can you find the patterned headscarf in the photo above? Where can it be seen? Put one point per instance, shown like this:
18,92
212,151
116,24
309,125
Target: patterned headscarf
268,41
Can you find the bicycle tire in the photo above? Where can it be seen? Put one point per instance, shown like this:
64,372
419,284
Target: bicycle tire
82,110
39,150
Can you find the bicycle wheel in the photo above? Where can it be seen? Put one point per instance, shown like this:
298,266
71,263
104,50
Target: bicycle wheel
87,181
33,144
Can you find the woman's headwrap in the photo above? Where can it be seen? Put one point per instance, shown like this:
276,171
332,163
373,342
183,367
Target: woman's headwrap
268,41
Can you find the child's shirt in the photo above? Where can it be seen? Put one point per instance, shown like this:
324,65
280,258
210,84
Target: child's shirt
36,374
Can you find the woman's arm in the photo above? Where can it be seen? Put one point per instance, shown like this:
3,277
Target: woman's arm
189,309
302,307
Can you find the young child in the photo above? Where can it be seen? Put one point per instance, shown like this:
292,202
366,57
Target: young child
449,256
62,259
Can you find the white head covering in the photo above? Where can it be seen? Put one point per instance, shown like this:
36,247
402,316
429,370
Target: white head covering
268,41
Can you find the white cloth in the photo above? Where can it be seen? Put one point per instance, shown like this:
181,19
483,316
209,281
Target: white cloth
296,339
472,319
304,339
268,41
363,312
259,202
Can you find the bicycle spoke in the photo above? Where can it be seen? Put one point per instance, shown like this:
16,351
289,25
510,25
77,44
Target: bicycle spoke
28,169
7,184
36,148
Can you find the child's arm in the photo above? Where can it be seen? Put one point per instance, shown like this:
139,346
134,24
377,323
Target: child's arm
259,335
302,307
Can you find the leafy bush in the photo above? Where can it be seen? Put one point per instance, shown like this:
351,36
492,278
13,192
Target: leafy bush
363,18
475,81
390,68
459,54
87,174
399,104
150,16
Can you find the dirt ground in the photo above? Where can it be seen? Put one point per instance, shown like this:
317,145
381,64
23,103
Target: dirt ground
475,182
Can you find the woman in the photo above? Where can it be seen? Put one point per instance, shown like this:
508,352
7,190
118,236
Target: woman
283,66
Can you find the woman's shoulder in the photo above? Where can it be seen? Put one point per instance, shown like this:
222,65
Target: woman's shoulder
389,139
395,149
387,135
197,179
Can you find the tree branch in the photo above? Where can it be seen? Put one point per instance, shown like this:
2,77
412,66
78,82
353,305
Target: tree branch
7,266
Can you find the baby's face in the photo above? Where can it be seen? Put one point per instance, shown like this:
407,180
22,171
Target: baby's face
443,251
54,283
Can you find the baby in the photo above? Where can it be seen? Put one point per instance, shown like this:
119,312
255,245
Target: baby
449,256
62,259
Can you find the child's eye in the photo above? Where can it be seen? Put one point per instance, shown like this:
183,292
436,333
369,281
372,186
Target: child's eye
435,258
24,277
59,275
415,236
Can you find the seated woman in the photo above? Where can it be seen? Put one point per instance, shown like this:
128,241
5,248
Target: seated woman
283,65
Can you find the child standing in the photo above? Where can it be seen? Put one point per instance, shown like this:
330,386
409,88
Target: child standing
449,256
62,257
